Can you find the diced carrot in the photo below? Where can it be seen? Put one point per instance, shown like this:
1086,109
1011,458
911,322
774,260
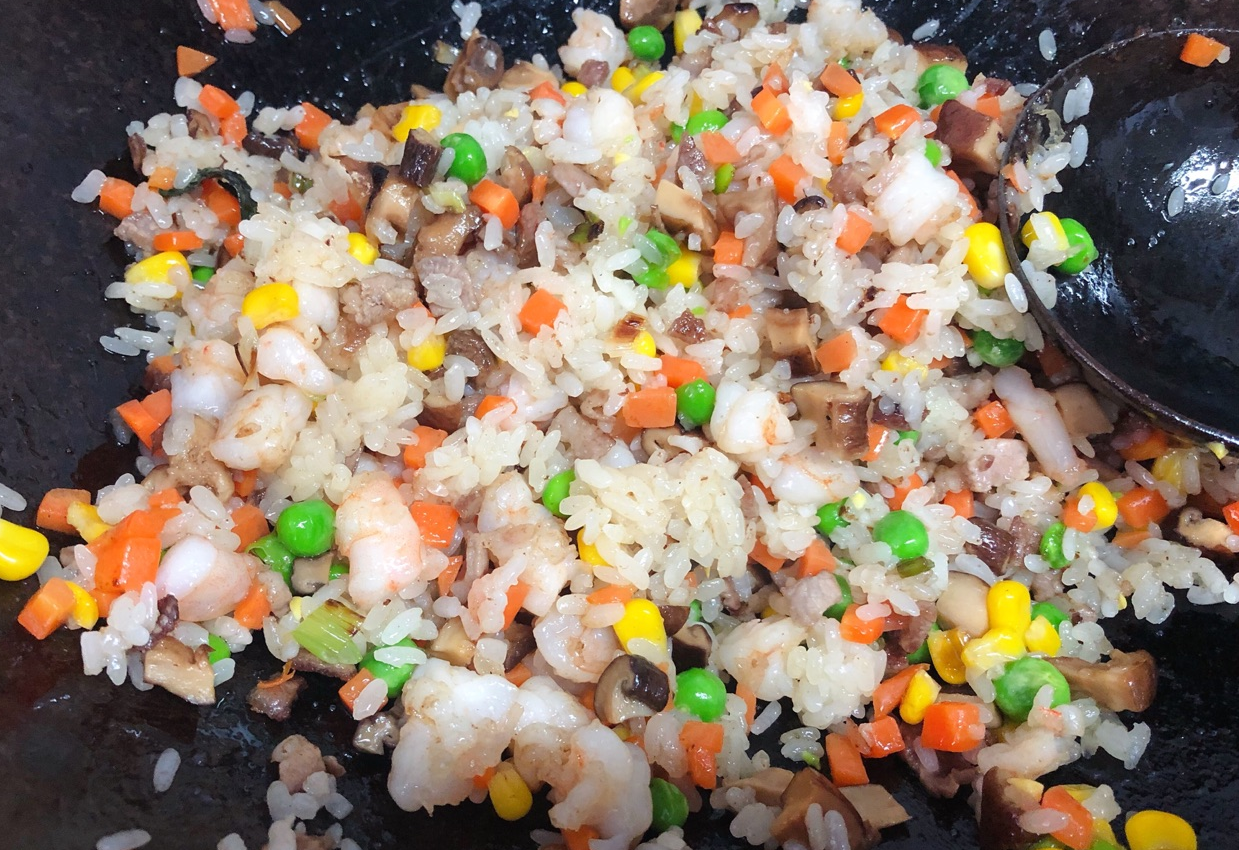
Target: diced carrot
1200,50
538,188
139,420
1015,177
837,141
190,62
234,244
244,482
1150,448
126,562
159,405
935,112
816,559
162,178
234,15
346,209
519,675
787,174
901,322
903,488
771,112
728,249
540,311
1231,513
168,497
761,487
878,436
516,598
177,240
282,189
680,370
116,197
221,202
839,81
774,79
1053,361
53,513
437,523
750,703
989,107
887,696
993,420
741,312
448,576
311,125
653,407
718,149
846,766
547,89
483,779
960,501
232,130
494,402
610,594
1073,517
104,599
702,767
897,120
249,523
1078,833
882,737
763,556
428,439
708,736
1140,506
837,353
952,727
253,609
578,839
49,608
351,689
497,200
856,232
218,102
853,628
1131,538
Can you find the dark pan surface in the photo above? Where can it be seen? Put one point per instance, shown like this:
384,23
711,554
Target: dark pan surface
76,754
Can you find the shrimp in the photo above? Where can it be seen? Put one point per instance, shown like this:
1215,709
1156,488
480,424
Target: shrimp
318,307
574,652
812,478
541,742
283,355
260,431
1039,422
460,722
209,380
755,653
214,309
748,422
377,534
604,783
595,37
206,581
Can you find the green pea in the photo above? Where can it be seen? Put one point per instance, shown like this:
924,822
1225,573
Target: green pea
921,656
723,177
940,83
670,805
556,490
272,552
1080,245
666,245
307,528
1052,613
914,567
338,569
625,222
394,675
836,611
1102,844
811,759
1048,843
904,533
677,132
907,435
469,163
647,43
653,278
700,693
219,649
706,121
694,403
1052,546
694,611
996,351
830,517
933,152
1017,687
202,273
846,62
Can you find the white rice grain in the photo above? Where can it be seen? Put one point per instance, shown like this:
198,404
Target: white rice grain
166,766
1220,183
469,13
1015,293
1079,146
88,190
129,839
1077,101
10,499
1047,44
1175,202
767,718
926,30
231,841
371,700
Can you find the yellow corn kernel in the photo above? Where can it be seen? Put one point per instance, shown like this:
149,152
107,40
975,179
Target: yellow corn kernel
997,646
1009,606
896,362
686,23
156,268
685,271
1219,449
858,499
634,93
589,552
920,695
695,104
1169,467
509,794
1104,507
1030,788
1154,830
620,157
1049,223
768,612
641,621
85,520
847,107
1041,637
363,250
945,651
644,344
429,354
271,303
621,732
85,609
416,116
622,78
1103,830
294,606
22,551
986,258
573,89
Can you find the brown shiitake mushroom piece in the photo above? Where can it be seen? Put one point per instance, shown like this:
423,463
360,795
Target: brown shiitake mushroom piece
631,686
691,646
791,339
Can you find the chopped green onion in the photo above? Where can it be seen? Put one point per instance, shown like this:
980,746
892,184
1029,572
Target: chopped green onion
327,633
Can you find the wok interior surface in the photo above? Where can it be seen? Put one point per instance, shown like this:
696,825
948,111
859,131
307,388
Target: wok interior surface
77,753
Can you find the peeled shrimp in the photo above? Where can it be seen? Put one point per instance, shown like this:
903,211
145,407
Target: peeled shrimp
604,784
209,380
213,310
283,355
812,478
595,37
747,422
261,429
1035,415
574,652
377,534
206,581
755,653
542,740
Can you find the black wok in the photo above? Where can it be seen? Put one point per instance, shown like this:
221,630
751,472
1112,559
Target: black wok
76,754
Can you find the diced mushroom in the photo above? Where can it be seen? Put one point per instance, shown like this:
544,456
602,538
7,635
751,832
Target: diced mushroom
939,54
681,212
517,174
309,574
276,701
594,72
687,328
791,339
691,157
384,118
531,217
1127,682
675,617
742,17
655,440
194,465
178,669
630,687
768,784
761,248
137,151
272,147
468,343
523,76
520,643
841,414
1203,532
653,13
809,203
1081,411
479,65
447,234
971,136
169,615
962,605
847,182
394,205
999,819
305,662
452,644
200,124
997,546
876,806
573,179
809,786
377,734
420,158
691,646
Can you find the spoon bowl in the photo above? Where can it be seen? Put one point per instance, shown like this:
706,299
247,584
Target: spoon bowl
1154,320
